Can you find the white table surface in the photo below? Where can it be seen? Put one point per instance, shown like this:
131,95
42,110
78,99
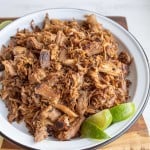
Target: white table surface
137,13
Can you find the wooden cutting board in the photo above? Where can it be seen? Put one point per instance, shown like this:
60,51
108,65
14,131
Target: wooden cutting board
136,138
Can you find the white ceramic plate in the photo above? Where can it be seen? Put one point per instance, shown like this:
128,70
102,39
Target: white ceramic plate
139,76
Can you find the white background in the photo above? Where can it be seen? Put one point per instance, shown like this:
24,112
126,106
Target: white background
137,13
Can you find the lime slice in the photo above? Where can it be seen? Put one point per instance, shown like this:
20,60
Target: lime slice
90,130
4,23
122,111
101,119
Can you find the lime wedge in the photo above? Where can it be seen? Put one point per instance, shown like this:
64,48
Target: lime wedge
122,111
90,130
101,119
4,23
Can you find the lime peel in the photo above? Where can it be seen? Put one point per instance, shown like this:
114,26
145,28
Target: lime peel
94,125
90,130
102,119
4,23
122,111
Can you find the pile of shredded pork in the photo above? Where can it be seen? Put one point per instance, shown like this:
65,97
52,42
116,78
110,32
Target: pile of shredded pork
56,75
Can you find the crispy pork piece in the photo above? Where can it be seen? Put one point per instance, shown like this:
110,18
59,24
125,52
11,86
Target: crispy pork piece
40,134
94,48
125,58
19,50
47,92
63,55
60,38
54,51
65,109
110,68
51,113
96,78
69,62
13,114
37,76
34,44
94,24
82,103
72,131
62,123
9,67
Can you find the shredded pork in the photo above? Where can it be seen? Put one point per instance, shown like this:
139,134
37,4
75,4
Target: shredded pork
57,75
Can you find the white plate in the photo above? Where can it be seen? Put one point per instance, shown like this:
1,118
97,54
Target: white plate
139,76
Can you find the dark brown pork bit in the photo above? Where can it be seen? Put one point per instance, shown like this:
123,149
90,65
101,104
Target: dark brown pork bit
46,91
125,57
82,103
34,44
44,58
62,123
72,131
2,67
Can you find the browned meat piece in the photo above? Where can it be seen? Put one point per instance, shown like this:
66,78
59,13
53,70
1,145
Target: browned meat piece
37,76
94,48
125,69
72,131
60,38
2,68
44,113
65,109
82,103
54,115
53,78
110,68
94,25
128,83
69,62
47,38
34,44
13,114
90,110
62,123
51,113
6,53
54,51
63,55
125,58
96,78
4,94
47,92
9,67
19,50
44,58
77,81
40,134
103,99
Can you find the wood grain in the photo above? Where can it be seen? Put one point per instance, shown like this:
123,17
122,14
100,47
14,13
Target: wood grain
136,138
1,141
